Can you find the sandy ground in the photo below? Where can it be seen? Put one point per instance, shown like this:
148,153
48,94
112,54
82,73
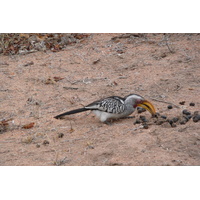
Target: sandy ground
156,66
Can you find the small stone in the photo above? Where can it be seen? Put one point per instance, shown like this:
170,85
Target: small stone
163,55
45,142
28,64
182,102
186,112
160,122
96,61
196,113
60,135
37,145
170,107
90,147
192,104
166,125
120,51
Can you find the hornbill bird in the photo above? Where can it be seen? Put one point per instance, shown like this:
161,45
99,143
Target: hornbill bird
114,107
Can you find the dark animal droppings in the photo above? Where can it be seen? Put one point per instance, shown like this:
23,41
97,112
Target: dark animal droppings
143,118
182,102
60,135
163,116
140,110
175,119
169,107
145,126
196,118
173,125
170,121
183,122
137,121
188,117
186,112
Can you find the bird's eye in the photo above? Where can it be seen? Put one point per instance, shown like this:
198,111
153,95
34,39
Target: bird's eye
138,101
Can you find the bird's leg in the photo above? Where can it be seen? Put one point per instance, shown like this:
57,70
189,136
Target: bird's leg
129,117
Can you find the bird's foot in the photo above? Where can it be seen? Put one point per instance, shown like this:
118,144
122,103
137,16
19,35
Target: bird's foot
108,122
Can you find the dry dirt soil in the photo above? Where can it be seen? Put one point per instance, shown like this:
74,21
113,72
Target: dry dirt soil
164,68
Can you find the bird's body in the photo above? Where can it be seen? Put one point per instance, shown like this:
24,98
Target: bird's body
114,107
110,108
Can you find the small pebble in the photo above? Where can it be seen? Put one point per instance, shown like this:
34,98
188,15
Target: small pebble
186,112
192,104
90,147
169,107
166,125
37,145
60,135
45,142
182,102
159,122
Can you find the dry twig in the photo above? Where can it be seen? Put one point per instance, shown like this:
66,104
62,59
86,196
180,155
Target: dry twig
165,102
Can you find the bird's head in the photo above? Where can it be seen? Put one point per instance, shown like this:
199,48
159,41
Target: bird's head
138,101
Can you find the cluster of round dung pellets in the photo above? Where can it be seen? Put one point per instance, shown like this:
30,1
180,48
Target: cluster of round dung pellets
158,119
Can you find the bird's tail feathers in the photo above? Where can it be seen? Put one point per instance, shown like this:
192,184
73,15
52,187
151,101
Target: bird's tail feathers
71,112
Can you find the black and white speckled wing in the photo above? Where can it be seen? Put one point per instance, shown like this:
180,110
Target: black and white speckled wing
113,104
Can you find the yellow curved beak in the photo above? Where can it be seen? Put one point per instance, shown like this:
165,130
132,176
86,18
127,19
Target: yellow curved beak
148,106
